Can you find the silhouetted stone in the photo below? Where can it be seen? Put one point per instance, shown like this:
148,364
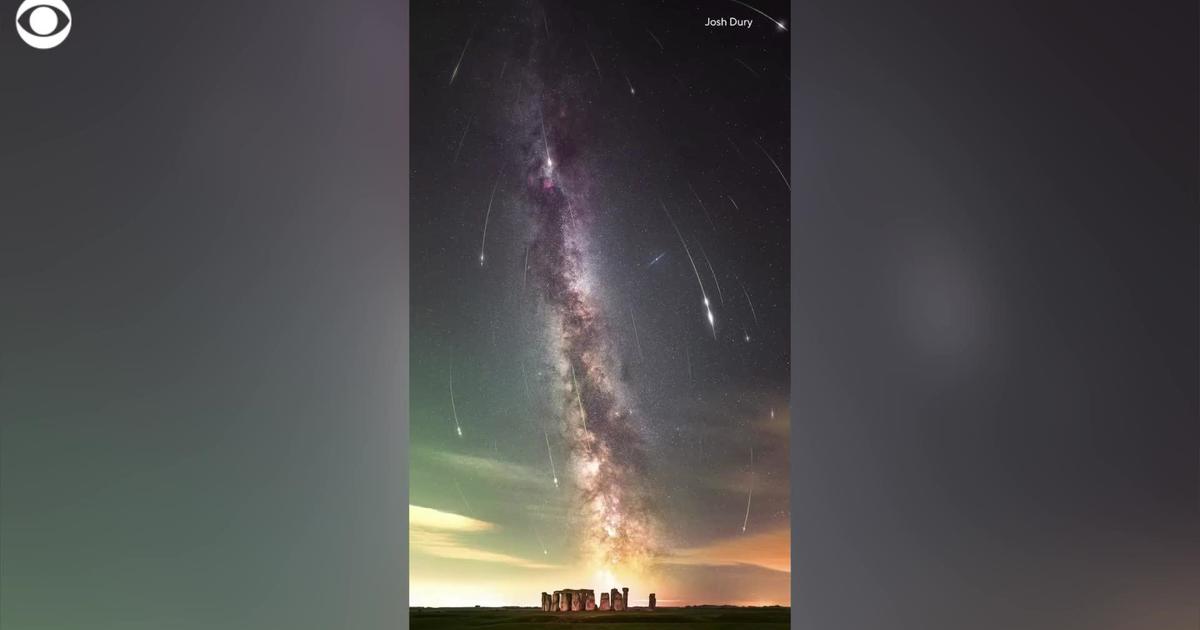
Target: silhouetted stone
604,601
625,597
651,601
589,600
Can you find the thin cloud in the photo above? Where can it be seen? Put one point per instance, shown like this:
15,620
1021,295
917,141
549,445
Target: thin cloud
770,550
491,469
446,535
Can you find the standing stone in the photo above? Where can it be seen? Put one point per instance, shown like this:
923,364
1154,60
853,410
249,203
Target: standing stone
625,597
545,605
614,597
564,602
604,601
589,600
576,601
651,601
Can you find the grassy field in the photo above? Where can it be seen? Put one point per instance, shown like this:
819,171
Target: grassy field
663,618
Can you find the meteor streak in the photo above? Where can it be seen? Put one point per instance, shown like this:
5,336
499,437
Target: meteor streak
735,148
460,141
707,308
525,274
752,313
777,22
746,520
656,259
714,274
777,169
738,208
593,56
553,470
747,67
545,142
486,217
525,380
631,90
454,74
660,46
749,496
635,336
453,407
462,496
539,538
579,397
702,207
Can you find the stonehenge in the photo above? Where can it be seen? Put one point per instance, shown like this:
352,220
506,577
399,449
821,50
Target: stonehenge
584,599
651,601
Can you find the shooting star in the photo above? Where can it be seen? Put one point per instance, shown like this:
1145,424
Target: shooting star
462,496
745,335
553,470
746,520
525,274
777,169
702,207
720,294
547,24
453,407
752,313
735,206
525,381
707,307
747,67
778,23
579,397
660,46
735,148
545,141
539,538
503,67
486,217
596,65
454,74
656,259
636,340
461,139
627,82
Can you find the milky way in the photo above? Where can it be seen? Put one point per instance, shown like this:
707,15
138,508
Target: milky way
600,427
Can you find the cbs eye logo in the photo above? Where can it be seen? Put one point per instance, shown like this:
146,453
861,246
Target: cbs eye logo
43,24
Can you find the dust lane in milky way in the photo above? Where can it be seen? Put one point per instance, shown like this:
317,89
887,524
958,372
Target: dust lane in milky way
604,439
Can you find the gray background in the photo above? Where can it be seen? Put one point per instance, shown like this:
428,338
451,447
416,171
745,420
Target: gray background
995,318
203,326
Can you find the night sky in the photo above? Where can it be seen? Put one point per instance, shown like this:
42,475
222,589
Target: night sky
634,162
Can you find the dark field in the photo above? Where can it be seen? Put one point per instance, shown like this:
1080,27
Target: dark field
708,618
